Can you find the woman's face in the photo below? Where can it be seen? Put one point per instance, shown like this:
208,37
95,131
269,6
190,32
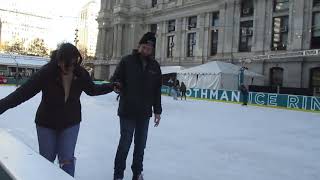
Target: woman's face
67,68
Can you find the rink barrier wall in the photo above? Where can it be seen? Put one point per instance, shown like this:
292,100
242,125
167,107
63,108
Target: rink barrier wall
20,162
284,101
12,81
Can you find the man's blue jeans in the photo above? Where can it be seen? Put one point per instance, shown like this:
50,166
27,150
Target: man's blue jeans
129,127
53,143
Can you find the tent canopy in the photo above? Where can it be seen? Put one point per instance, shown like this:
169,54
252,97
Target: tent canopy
23,61
217,75
170,69
217,67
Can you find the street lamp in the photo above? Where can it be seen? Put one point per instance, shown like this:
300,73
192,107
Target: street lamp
76,37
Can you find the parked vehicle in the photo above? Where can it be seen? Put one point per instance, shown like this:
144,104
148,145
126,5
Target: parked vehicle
3,80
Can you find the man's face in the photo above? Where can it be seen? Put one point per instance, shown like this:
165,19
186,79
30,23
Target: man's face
146,50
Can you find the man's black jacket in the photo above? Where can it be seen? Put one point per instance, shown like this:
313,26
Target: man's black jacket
140,87
54,112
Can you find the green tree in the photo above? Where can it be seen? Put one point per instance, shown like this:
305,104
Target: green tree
16,47
4,47
37,47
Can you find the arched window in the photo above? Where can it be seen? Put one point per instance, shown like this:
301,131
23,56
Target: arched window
276,76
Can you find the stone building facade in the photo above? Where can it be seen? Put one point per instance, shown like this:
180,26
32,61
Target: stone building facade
277,38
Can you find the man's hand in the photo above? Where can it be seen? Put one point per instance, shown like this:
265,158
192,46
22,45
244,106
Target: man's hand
156,120
116,87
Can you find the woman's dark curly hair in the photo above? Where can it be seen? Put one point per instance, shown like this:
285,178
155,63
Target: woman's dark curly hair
66,53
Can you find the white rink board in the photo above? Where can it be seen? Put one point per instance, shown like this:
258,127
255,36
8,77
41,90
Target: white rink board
22,163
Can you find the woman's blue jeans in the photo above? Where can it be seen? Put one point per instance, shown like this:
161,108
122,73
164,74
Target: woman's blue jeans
53,143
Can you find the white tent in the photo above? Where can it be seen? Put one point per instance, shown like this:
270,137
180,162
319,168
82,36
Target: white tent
217,75
170,69
23,61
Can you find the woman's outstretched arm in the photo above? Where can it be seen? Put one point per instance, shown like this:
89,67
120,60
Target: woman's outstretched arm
26,91
92,89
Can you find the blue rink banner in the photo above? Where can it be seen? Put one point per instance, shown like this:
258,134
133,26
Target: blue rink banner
281,100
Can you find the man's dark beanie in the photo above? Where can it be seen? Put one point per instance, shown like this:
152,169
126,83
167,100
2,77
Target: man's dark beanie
148,38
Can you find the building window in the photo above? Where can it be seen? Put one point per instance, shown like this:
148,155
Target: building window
3,68
171,25
215,19
315,38
280,33
170,45
191,44
246,33
214,33
315,78
316,2
276,76
281,5
214,42
154,3
192,22
154,28
246,8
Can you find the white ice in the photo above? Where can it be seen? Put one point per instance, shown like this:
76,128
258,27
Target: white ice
196,140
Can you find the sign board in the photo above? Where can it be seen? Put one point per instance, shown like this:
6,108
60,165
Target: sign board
280,100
